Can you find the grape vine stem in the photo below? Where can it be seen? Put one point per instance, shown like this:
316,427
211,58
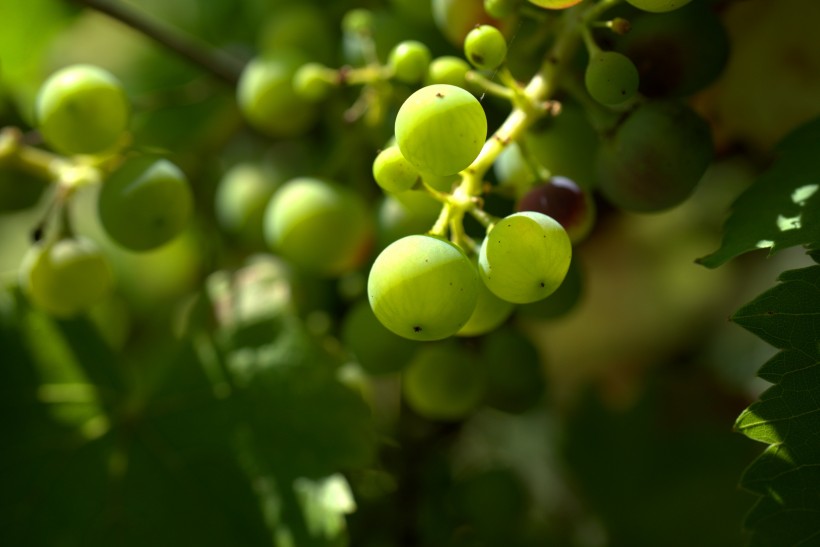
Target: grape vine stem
223,67
529,105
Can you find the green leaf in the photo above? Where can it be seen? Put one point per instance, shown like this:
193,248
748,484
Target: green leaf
787,416
781,208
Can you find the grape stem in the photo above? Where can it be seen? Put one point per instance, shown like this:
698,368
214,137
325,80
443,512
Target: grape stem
529,103
223,67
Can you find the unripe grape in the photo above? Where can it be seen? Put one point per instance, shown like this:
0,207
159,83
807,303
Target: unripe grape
241,196
512,170
658,6
447,70
82,109
393,172
455,18
320,226
312,82
298,26
524,257
554,4
655,158
65,277
267,99
490,312
145,203
611,78
423,288
409,61
377,349
444,382
563,300
405,214
485,47
563,200
440,129
358,21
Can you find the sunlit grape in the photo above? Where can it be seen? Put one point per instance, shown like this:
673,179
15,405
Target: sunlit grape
485,47
440,129
423,288
524,257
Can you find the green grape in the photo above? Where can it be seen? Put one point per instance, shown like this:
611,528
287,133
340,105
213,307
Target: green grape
611,78
320,226
298,26
490,311
563,300
655,158
512,171
313,82
267,99
525,257
447,70
501,8
565,145
241,196
455,18
409,61
145,203
377,349
404,214
440,129
658,6
554,4
19,190
82,109
444,382
485,47
677,54
516,379
358,21
65,277
423,288
393,172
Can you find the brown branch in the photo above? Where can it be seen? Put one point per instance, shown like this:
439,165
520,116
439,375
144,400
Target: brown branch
217,63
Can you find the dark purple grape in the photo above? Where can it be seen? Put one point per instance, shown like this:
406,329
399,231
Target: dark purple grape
563,200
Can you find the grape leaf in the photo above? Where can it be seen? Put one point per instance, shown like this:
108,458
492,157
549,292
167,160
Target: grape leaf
88,460
782,207
787,416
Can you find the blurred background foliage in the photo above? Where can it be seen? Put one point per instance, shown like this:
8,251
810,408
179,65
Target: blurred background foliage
156,420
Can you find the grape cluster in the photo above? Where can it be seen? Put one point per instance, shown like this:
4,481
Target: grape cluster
145,201
417,181
614,127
